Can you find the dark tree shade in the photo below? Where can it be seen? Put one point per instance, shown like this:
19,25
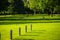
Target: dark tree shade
4,4
58,2
18,6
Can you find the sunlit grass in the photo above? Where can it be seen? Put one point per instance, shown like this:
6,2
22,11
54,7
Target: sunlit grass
50,31
47,31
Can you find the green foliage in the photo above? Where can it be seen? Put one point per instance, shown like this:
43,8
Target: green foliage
52,6
36,5
26,6
48,6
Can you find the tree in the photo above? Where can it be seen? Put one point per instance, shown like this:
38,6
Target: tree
32,5
18,6
36,5
51,6
4,5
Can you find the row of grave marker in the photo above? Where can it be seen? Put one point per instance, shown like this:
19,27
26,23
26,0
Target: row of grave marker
11,32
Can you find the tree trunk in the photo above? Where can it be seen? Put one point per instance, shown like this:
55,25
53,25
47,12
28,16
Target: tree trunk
4,13
34,12
51,13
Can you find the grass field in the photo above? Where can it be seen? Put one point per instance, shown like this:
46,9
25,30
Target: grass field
40,31
44,27
30,16
45,31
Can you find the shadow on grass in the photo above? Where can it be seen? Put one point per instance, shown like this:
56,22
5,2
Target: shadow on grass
7,23
23,39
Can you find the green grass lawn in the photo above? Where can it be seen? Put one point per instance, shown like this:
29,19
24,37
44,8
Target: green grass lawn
44,27
40,31
46,31
30,16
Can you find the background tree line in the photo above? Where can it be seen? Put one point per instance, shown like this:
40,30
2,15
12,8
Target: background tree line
30,7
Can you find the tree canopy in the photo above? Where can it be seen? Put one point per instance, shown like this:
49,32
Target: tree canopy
26,6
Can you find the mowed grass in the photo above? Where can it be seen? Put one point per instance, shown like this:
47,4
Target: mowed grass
48,31
45,31
29,16
5,30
